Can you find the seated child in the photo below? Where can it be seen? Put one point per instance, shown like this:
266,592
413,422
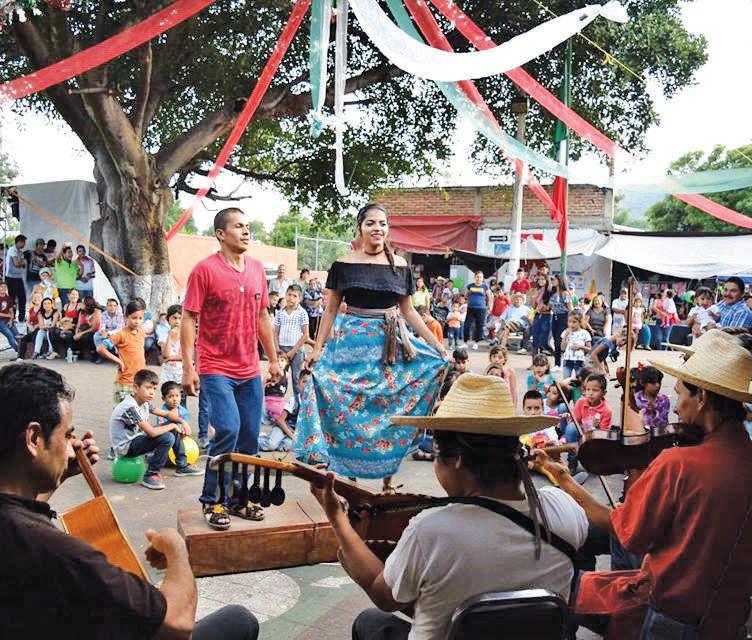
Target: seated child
591,411
283,432
274,392
704,312
540,379
553,405
172,401
131,434
532,405
651,403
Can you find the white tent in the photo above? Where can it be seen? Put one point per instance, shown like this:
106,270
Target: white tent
681,255
580,242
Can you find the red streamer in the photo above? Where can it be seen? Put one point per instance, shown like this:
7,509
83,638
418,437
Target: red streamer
436,38
572,119
293,22
103,52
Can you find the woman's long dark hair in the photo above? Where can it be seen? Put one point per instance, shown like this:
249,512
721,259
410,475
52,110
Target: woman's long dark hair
359,221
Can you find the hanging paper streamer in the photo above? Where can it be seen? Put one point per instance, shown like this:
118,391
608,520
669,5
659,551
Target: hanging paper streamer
288,33
434,64
103,52
572,119
340,75
321,18
433,34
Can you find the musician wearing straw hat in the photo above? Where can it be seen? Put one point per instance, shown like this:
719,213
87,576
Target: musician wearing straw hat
450,553
689,513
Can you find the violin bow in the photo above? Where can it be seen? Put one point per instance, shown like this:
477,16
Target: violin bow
631,285
606,490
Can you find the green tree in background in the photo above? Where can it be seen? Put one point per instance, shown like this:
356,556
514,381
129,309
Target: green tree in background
333,244
7,169
622,217
673,215
258,233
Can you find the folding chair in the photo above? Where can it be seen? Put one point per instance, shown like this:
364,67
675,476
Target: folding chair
532,614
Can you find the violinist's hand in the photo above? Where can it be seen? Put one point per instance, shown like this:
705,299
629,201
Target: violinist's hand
543,462
334,505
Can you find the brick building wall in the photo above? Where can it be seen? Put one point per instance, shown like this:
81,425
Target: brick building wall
589,206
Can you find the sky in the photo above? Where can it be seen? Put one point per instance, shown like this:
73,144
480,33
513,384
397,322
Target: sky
715,110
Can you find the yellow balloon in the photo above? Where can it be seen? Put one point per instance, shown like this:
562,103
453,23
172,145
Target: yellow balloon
191,451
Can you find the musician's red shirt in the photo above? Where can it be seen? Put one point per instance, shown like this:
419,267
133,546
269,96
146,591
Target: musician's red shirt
685,513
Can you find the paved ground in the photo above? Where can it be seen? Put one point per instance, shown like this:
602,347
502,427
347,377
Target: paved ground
306,602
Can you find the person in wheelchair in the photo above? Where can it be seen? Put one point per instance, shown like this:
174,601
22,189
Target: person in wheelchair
493,535
689,515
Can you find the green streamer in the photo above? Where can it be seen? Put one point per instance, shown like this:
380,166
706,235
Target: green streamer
318,47
688,183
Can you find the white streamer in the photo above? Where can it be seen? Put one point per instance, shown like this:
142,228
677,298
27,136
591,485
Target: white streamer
428,62
340,73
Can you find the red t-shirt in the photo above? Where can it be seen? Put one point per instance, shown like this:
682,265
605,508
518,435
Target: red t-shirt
586,415
6,306
500,303
521,286
228,316
685,513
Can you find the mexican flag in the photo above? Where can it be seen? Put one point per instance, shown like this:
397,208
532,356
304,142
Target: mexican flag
561,153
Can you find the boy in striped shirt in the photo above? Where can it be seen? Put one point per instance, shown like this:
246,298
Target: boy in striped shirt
291,331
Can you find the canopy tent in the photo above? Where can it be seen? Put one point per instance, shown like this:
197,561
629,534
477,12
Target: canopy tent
580,242
694,256
434,234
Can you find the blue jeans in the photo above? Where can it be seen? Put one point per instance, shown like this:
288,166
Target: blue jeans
6,330
571,367
644,335
558,324
660,334
275,440
203,415
160,445
39,341
541,329
454,336
235,408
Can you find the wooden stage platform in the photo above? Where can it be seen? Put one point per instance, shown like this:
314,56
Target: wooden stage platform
293,534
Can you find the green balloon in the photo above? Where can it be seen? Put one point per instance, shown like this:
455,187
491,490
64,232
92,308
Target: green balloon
129,469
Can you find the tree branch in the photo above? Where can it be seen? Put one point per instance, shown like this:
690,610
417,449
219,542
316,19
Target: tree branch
139,108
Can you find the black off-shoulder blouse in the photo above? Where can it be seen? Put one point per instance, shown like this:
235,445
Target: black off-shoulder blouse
370,286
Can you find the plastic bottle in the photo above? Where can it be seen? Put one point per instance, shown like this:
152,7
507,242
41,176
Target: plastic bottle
69,355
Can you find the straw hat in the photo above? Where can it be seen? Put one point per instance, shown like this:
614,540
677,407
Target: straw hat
479,404
718,363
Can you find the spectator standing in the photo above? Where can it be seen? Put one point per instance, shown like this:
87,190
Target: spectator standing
733,310
305,278
86,273
36,260
227,294
129,343
15,269
521,284
66,272
619,311
51,251
7,316
661,327
172,356
478,302
422,296
561,306
313,301
291,332
281,283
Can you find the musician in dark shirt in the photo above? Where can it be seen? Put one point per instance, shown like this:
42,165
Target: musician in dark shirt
55,585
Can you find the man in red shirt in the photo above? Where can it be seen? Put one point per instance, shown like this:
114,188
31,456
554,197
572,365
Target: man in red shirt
521,284
689,514
227,294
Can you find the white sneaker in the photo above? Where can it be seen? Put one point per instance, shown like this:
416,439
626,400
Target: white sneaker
475,346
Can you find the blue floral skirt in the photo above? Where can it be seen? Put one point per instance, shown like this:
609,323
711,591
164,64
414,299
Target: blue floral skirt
345,408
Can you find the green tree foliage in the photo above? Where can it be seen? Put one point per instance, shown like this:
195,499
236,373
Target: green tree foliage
673,215
173,213
182,89
7,169
622,217
331,245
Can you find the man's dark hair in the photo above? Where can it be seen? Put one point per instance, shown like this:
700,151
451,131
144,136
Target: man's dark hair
173,309
80,246
137,304
296,288
737,281
21,236
490,459
51,243
460,354
29,393
112,300
599,378
305,270
220,220
167,386
532,394
144,376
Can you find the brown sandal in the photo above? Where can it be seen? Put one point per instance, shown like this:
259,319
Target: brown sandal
250,512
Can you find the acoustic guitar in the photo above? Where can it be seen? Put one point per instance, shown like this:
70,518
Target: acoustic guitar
95,522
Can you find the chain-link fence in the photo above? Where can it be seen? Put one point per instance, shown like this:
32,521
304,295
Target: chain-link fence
318,253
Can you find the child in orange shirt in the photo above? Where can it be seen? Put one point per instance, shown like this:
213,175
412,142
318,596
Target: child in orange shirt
434,326
129,342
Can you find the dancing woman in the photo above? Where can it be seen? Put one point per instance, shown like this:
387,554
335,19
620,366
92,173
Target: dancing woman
372,368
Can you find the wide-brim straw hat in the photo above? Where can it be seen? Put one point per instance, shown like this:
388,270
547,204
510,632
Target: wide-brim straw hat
719,363
481,405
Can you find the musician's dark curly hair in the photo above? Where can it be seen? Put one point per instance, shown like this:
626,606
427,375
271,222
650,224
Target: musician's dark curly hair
491,459
29,393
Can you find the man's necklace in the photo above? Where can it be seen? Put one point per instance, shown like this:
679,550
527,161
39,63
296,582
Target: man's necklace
235,273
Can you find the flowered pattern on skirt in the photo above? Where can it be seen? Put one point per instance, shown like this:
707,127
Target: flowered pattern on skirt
346,407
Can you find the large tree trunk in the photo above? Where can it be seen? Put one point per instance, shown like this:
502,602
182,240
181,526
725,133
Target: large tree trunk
131,229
